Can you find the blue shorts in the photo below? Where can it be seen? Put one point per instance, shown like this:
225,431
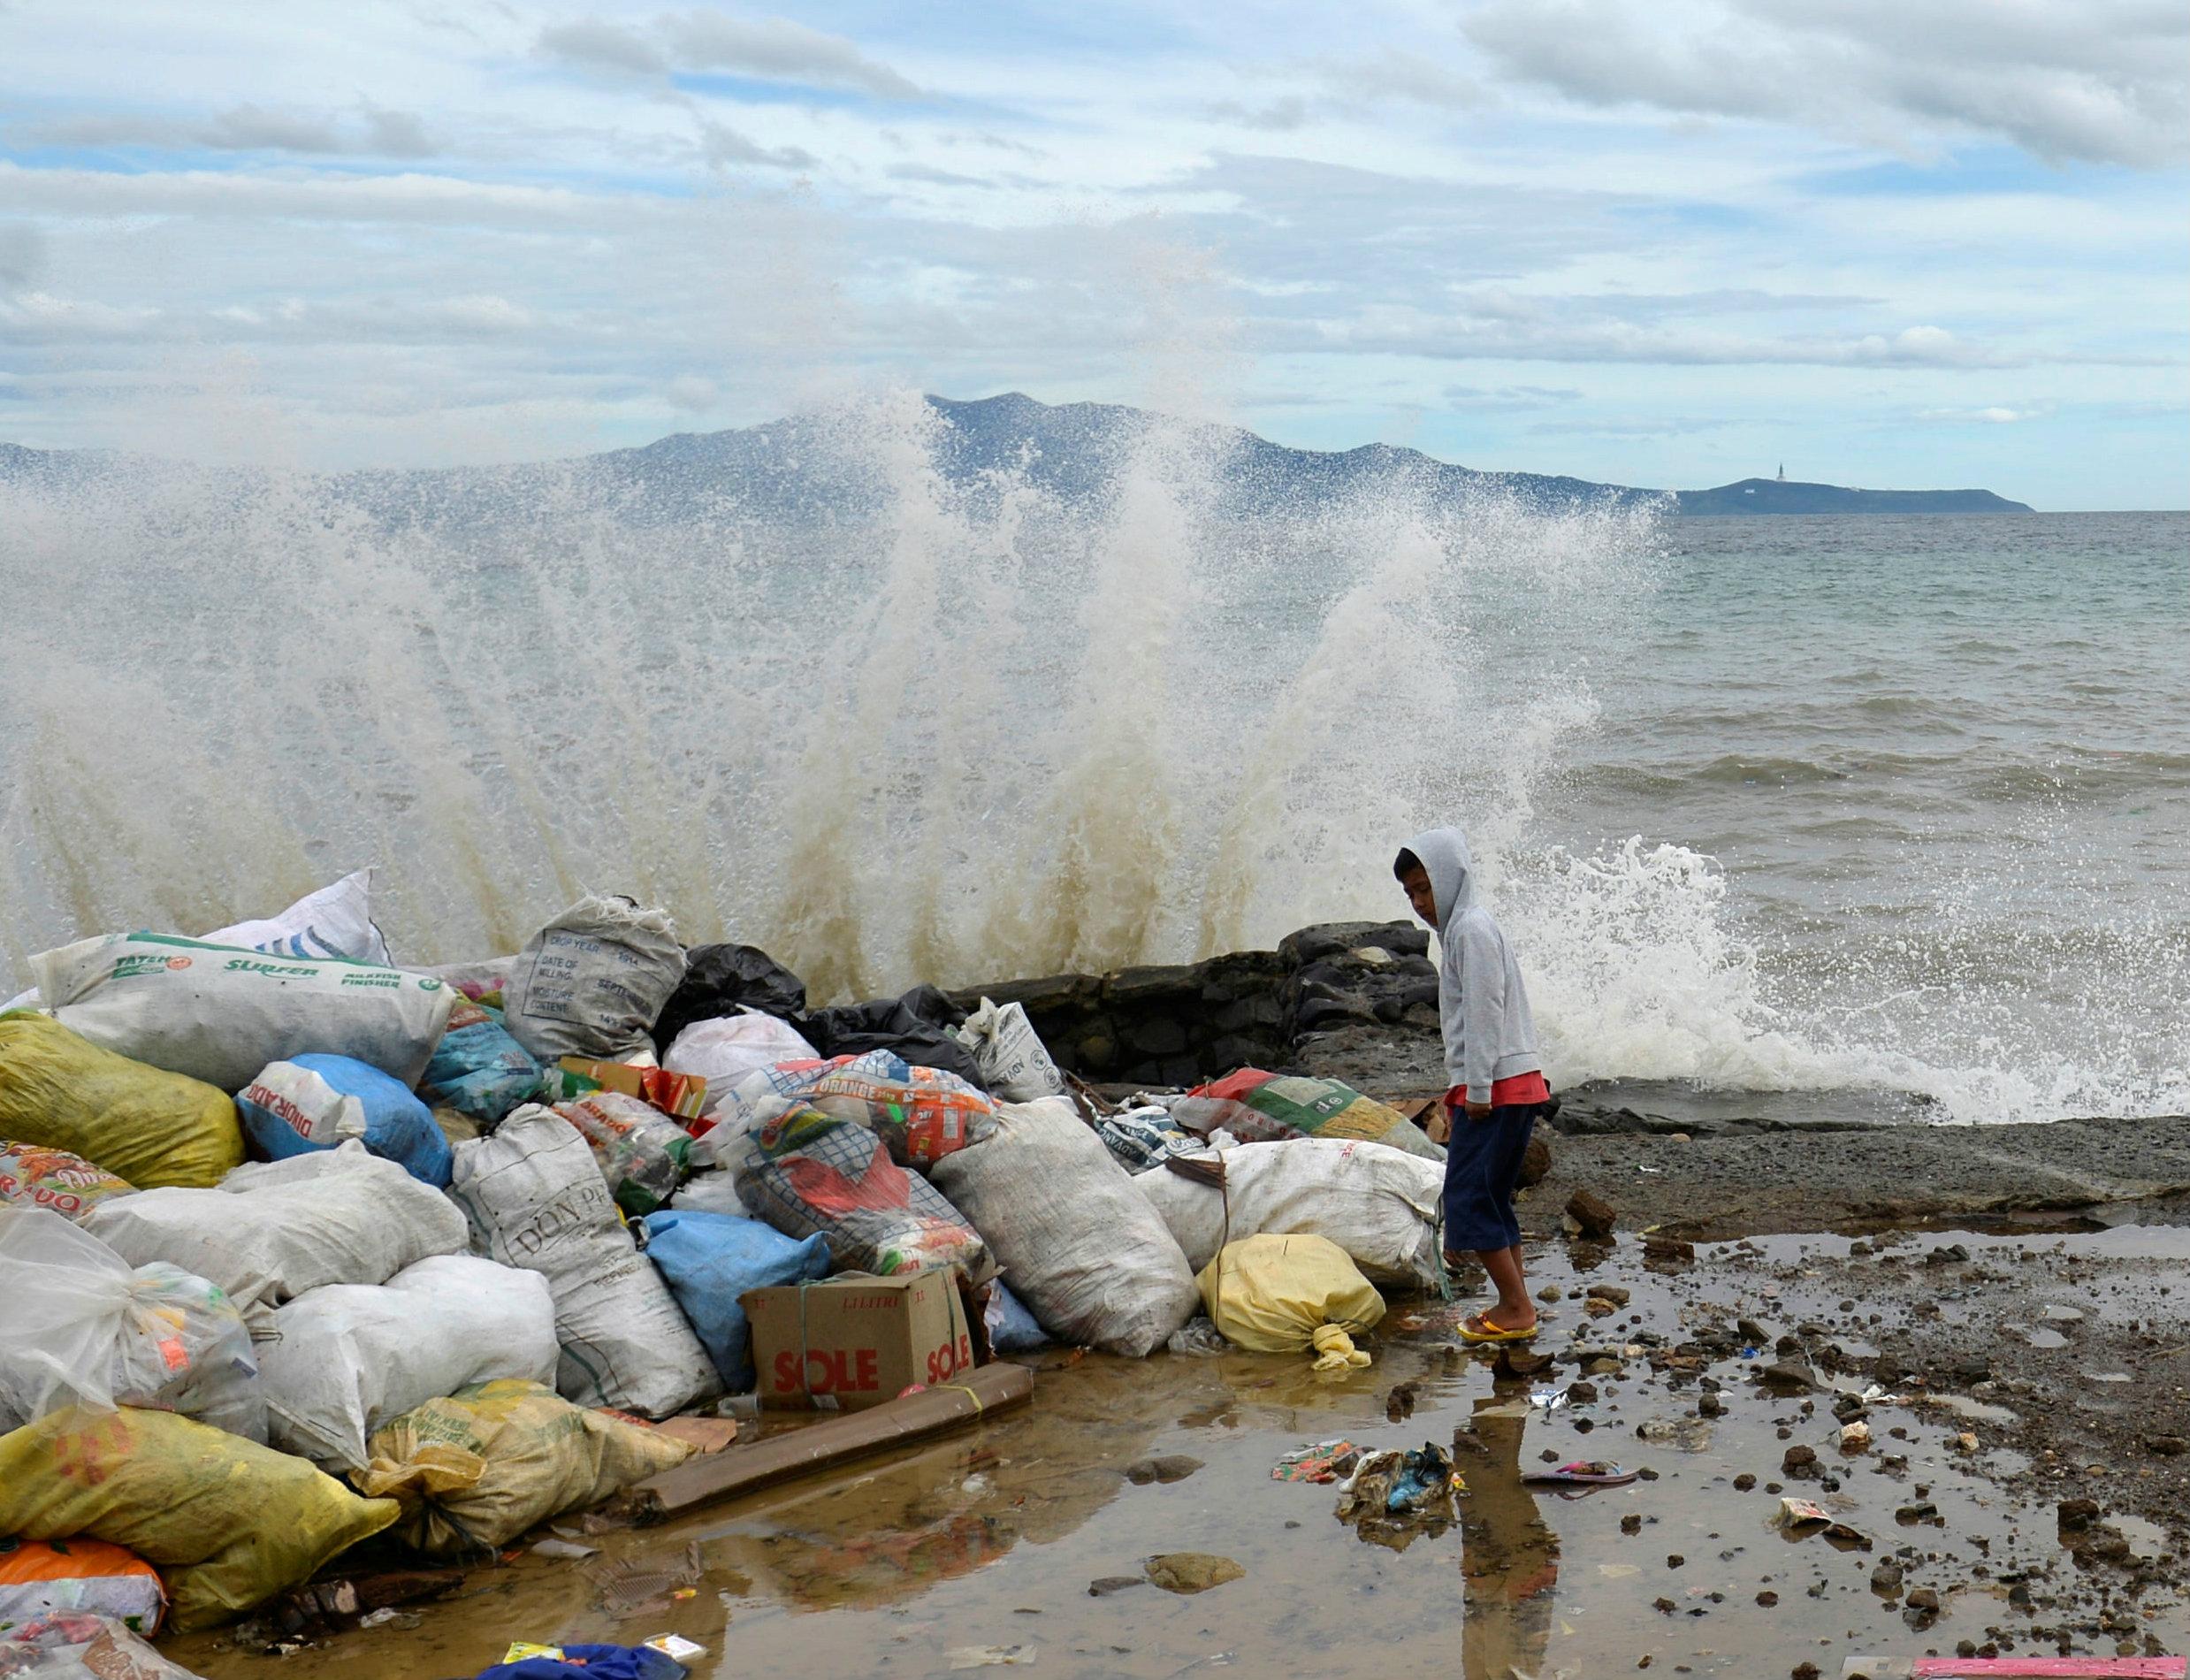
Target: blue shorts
1482,1171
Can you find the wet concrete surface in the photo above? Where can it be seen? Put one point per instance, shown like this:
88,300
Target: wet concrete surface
1730,1185
980,1550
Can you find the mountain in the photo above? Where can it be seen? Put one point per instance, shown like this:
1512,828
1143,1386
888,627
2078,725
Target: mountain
795,468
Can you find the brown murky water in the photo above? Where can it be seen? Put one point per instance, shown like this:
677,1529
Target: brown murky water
978,1551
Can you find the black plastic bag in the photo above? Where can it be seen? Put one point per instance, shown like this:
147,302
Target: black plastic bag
915,1026
721,980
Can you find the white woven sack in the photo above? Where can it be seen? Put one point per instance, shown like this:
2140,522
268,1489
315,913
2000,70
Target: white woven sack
536,1198
1078,1244
344,1359
1381,1205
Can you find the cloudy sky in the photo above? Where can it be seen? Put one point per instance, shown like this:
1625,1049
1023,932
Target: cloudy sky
1667,243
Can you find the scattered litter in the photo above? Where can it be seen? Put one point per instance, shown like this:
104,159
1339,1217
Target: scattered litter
1328,1461
989,1656
1587,1472
1391,1496
1801,1518
567,1549
1549,1399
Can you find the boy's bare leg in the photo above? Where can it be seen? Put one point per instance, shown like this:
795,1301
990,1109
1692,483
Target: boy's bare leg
1514,1310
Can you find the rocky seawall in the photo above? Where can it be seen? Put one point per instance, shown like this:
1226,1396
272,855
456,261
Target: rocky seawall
1357,1002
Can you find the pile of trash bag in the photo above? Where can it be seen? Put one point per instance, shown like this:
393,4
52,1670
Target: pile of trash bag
305,1246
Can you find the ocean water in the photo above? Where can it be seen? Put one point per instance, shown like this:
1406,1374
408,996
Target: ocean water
1770,804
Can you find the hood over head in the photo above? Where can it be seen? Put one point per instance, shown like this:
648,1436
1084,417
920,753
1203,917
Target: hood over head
1443,854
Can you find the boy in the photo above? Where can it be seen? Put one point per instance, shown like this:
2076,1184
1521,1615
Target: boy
1497,1091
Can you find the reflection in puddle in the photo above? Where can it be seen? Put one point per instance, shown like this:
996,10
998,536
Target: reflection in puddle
1509,1558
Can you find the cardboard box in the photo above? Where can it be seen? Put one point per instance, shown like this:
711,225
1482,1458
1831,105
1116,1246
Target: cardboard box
850,1343
678,1095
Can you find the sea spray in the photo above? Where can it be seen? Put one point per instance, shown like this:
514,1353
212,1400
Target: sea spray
897,721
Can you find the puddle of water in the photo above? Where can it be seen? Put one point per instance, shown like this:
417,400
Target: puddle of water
990,1539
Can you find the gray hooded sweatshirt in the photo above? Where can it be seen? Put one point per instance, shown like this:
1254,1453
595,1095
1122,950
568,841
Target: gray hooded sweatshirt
1489,1033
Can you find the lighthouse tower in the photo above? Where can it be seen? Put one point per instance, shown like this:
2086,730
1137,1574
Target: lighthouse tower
1782,472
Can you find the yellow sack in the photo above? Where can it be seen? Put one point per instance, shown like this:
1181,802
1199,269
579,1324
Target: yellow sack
487,1463
1271,1294
152,1127
227,1522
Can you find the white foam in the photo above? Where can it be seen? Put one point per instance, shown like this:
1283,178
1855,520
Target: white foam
972,731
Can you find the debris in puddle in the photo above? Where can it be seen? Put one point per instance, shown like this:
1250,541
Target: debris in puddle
1318,1462
989,1656
1391,1496
570,1550
1801,1518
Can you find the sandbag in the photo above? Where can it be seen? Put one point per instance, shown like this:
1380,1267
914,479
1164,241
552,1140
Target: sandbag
1014,1063
535,1198
921,1114
1292,1105
805,1171
593,980
722,979
344,1358
1271,1294
486,1464
80,1326
724,1050
274,1230
917,1026
643,1154
1076,1241
1384,1207
228,1522
53,1179
221,1012
313,1102
335,921
60,1091
478,1068
709,1260
50,1578
82,1645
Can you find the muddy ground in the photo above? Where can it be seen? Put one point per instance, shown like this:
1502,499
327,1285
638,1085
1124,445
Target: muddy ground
2025,1367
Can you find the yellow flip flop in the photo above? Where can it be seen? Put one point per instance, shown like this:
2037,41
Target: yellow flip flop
1491,1334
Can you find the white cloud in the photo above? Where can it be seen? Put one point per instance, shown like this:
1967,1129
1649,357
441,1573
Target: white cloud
780,50
768,48
2100,81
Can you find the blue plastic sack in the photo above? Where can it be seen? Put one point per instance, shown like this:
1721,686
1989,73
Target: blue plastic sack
710,1259
1011,1328
594,1662
314,1102
478,1068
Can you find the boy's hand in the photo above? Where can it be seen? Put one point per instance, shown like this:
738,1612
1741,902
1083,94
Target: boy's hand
1478,1111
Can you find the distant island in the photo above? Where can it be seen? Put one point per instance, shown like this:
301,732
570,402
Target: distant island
789,468
1778,496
